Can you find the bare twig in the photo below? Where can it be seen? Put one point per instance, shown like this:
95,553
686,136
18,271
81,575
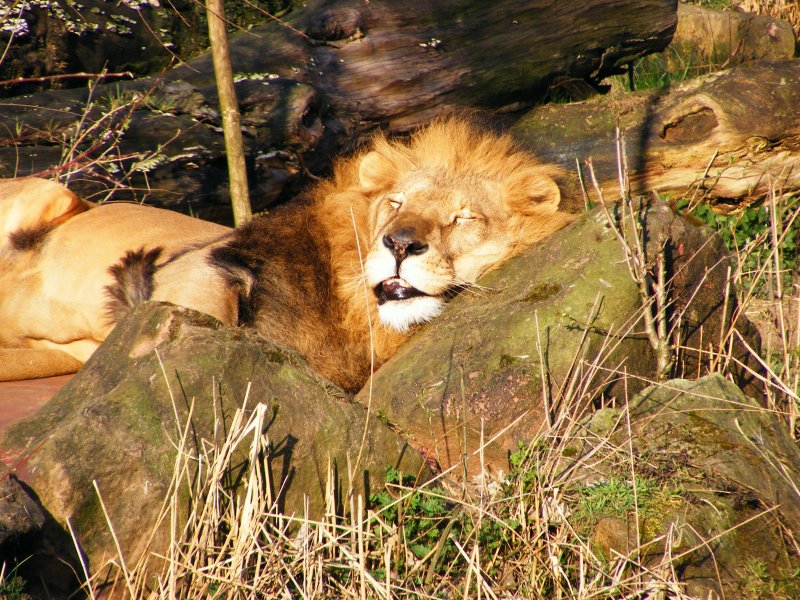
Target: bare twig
653,290
81,75
229,107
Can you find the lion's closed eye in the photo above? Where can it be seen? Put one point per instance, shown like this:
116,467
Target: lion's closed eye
465,216
396,199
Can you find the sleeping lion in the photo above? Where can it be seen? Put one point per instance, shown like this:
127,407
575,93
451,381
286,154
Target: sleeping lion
348,270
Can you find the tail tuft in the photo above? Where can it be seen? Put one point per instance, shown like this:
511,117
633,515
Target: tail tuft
133,276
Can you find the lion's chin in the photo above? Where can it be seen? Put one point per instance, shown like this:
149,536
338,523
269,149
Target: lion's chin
402,315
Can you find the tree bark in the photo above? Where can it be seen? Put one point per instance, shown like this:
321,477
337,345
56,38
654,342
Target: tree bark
728,137
229,107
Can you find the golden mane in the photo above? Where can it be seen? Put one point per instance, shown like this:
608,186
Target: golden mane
456,146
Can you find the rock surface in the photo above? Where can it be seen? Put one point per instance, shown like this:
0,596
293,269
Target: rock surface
732,469
115,423
707,38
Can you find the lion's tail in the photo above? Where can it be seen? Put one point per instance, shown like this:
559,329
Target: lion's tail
133,281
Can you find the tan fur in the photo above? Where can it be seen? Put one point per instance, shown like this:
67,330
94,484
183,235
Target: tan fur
398,227
52,297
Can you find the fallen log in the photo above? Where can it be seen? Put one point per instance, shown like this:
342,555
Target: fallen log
729,136
382,62
314,84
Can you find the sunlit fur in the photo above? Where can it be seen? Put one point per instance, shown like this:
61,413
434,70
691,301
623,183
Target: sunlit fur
403,315
442,168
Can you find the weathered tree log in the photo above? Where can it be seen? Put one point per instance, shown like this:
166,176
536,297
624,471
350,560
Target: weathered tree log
386,62
728,136
347,65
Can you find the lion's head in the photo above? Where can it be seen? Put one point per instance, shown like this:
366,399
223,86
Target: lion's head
444,207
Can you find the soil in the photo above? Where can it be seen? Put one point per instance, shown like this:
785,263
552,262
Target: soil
21,399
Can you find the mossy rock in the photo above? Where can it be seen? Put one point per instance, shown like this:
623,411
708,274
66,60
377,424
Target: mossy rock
119,420
731,468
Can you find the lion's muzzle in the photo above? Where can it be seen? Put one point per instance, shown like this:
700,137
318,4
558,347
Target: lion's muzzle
402,242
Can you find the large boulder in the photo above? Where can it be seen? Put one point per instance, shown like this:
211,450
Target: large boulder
506,355
722,471
119,423
706,38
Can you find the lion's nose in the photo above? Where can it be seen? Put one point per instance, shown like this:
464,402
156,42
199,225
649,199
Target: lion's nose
403,243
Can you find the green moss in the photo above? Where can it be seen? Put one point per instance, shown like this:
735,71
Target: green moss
276,357
570,452
540,292
603,421
704,432
506,360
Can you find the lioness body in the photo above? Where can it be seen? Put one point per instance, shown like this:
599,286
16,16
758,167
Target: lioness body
52,284
341,277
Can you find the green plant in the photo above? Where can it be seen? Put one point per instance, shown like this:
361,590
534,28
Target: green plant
757,583
522,463
12,586
615,497
748,233
422,518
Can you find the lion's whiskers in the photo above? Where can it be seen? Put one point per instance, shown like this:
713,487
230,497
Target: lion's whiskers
356,279
458,286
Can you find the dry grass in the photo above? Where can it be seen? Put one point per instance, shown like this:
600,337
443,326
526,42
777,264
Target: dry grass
522,537
509,539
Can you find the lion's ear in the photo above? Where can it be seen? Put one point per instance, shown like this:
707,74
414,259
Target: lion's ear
534,191
375,171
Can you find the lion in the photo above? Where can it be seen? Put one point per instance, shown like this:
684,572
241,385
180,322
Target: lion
342,276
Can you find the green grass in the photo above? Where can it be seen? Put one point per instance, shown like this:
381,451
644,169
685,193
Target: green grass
715,4
659,70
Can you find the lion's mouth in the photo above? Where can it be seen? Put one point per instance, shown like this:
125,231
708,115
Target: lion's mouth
396,288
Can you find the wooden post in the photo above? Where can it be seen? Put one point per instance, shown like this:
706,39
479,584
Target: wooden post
231,119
